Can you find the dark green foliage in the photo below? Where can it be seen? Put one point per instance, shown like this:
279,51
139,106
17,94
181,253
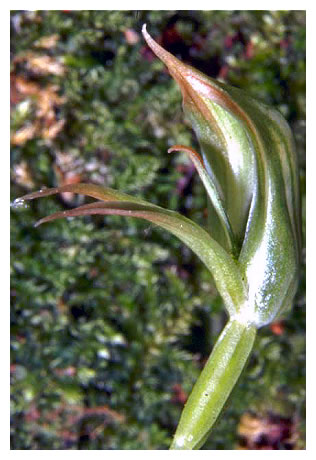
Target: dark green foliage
112,319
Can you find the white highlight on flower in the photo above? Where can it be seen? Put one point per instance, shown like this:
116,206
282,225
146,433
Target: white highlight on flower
246,315
199,86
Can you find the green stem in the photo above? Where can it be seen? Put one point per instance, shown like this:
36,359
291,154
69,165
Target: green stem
214,385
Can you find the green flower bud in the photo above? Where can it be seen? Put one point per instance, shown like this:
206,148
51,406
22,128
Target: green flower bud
248,153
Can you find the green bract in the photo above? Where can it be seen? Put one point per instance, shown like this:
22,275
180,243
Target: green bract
251,246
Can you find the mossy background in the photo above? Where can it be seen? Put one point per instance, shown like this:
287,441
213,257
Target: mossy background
112,318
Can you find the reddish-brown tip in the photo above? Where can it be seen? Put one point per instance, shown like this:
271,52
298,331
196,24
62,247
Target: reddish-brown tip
191,152
193,84
175,66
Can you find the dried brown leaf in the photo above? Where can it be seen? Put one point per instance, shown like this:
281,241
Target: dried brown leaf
24,134
47,42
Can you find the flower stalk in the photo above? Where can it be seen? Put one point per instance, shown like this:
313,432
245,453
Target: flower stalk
214,385
251,245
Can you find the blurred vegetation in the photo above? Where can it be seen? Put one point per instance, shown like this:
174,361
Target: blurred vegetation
112,318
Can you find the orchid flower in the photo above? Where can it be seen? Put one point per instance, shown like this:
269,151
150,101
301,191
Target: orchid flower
251,245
